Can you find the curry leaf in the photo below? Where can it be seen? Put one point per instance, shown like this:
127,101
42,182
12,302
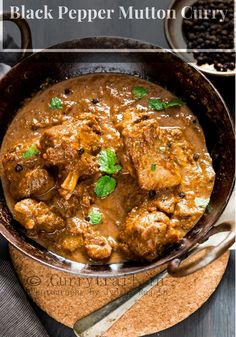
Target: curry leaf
105,186
31,152
95,216
108,161
55,103
158,104
139,92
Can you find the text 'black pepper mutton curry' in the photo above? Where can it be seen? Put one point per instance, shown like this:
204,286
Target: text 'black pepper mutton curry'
106,167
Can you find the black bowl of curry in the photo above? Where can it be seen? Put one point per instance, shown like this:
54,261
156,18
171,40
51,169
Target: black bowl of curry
111,162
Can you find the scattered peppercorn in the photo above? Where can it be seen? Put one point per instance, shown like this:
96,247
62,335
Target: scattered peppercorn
18,168
151,194
196,156
98,132
182,194
87,218
95,100
34,127
143,118
81,151
67,91
215,33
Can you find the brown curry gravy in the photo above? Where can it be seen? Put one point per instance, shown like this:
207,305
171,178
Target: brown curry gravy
114,94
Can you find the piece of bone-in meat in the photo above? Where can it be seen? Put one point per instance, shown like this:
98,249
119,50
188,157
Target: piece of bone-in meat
148,232
26,175
98,248
148,147
72,147
37,215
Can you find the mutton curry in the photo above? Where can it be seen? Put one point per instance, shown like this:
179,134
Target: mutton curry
106,167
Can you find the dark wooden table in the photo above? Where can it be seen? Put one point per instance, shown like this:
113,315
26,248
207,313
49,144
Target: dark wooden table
216,317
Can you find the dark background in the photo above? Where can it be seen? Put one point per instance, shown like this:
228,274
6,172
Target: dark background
216,317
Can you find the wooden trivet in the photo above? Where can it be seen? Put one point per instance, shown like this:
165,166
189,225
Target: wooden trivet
67,298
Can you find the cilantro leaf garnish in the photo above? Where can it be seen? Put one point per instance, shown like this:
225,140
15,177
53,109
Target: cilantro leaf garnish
139,92
105,186
158,104
201,202
174,102
31,152
55,103
108,161
153,167
95,216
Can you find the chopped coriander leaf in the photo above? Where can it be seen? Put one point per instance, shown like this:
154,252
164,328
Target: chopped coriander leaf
162,148
174,102
95,216
139,92
31,152
55,103
108,161
158,104
153,167
201,202
105,186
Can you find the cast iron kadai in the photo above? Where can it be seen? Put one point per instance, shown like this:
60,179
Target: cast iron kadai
70,59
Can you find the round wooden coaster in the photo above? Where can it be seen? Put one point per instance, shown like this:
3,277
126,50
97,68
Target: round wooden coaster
67,298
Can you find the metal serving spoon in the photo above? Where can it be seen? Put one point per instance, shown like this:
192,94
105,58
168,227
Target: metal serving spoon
99,321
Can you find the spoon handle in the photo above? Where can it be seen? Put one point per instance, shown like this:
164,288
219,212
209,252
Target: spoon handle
99,321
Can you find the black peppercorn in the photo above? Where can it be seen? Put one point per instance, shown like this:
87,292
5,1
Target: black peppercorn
87,218
67,91
95,100
151,194
80,151
231,65
18,168
211,32
182,194
196,156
